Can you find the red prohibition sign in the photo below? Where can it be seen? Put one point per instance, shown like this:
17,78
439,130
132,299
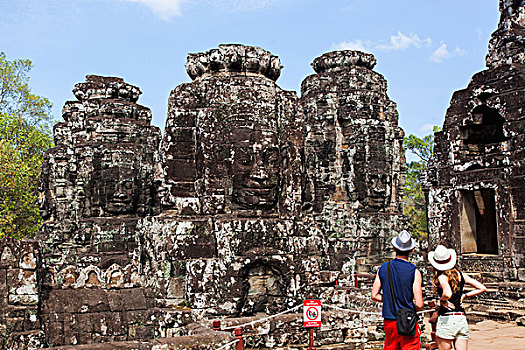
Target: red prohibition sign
311,313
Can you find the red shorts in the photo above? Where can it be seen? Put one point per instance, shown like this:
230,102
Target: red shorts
393,341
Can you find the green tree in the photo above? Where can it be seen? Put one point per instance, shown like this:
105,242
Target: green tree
25,133
414,205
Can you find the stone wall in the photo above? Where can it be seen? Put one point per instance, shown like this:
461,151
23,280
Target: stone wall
20,321
477,176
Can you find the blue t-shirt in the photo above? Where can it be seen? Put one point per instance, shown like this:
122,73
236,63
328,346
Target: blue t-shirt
403,280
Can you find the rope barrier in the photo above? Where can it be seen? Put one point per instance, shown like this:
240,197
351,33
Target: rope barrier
262,319
369,313
228,344
297,307
426,311
353,310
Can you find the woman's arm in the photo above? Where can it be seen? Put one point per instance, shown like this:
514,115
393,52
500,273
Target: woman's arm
376,289
447,292
479,287
418,290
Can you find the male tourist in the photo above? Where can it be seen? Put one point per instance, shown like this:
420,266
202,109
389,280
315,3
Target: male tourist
406,283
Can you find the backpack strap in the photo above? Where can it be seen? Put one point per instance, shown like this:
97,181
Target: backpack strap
392,286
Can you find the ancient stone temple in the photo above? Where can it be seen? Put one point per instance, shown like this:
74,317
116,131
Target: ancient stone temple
252,200
477,176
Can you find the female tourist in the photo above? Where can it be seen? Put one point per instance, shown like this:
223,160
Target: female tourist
452,329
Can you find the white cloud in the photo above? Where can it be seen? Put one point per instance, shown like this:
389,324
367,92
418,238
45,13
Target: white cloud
400,42
442,53
479,34
246,5
403,42
165,9
358,45
426,128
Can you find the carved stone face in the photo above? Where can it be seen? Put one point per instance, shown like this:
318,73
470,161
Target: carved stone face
119,190
255,167
379,191
263,286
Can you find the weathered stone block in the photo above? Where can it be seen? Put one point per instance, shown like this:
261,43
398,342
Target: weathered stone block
134,299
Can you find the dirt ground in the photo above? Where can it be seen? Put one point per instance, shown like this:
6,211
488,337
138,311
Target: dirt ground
496,336
491,335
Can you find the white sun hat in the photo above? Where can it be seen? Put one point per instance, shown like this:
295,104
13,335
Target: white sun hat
404,242
442,258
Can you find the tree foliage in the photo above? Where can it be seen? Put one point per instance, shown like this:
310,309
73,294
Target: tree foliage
414,204
25,133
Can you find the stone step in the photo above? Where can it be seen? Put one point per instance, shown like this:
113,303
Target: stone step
498,294
487,277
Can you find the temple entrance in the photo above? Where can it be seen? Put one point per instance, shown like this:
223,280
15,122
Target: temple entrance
479,233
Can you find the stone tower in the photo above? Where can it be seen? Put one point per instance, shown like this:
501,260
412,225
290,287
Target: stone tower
228,134
95,186
354,159
477,176
230,186
506,43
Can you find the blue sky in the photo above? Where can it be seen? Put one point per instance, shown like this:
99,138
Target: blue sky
426,49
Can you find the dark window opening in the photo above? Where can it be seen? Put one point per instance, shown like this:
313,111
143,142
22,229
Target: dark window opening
486,127
474,167
479,232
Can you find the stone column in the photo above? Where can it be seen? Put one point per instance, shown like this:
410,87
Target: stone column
231,184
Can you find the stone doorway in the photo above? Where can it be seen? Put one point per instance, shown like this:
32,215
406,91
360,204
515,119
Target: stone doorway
479,233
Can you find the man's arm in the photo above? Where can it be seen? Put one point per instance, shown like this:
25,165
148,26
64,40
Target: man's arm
418,290
376,289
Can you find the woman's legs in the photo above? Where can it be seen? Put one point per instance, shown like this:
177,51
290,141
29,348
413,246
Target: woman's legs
444,344
461,344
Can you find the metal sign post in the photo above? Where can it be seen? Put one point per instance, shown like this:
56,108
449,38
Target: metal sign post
311,318
311,339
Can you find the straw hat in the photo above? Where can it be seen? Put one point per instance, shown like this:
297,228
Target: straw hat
442,258
404,242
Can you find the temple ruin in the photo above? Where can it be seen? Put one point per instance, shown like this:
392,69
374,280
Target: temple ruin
476,179
253,199
354,160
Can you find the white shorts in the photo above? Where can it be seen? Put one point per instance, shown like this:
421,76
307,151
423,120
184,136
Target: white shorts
452,327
